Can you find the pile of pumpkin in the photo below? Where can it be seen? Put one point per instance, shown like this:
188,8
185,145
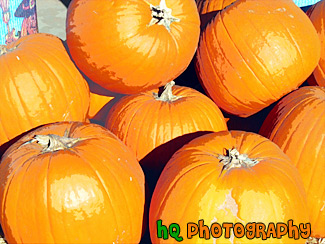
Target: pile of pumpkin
247,147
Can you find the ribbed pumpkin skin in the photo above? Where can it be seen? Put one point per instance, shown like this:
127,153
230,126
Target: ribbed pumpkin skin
297,125
193,187
39,85
144,123
84,194
249,53
317,16
207,6
111,42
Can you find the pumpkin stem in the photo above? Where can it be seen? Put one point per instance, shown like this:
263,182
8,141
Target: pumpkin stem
233,159
51,142
167,95
161,15
314,240
4,49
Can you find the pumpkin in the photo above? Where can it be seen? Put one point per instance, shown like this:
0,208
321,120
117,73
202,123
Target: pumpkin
249,52
297,125
150,119
39,85
131,46
208,6
71,182
97,102
316,14
228,177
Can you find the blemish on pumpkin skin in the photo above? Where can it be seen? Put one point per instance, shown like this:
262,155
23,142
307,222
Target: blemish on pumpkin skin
232,237
230,205
281,9
323,208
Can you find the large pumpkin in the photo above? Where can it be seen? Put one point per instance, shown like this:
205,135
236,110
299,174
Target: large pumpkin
228,177
297,125
39,85
146,121
254,52
71,182
316,14
132,46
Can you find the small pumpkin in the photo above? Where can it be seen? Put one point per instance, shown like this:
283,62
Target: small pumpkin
39,85
228,177
297,125
208,6
249,52
131,46
71,182
150,119
316,14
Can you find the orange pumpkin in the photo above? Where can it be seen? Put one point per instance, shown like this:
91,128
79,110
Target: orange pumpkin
97,102
148,120
316,14
131,46
39,85
71,182
228,177
249,54
297,125
208,6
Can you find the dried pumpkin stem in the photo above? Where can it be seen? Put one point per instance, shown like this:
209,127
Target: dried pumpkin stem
51,142
314,240
167,95
233,159
162,15
4,49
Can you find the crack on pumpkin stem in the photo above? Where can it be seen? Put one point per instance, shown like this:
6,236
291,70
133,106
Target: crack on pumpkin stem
162,15
167,94
233,159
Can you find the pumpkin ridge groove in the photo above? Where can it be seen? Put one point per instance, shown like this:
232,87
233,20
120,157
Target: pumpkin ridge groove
285,145
48,197
248,66
282,170
50,70
41,94
172,184
23,105
260,61
77,152
292,109
204,178
29,161
207,50
62,86
304,145
7,91
144,57
294,41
